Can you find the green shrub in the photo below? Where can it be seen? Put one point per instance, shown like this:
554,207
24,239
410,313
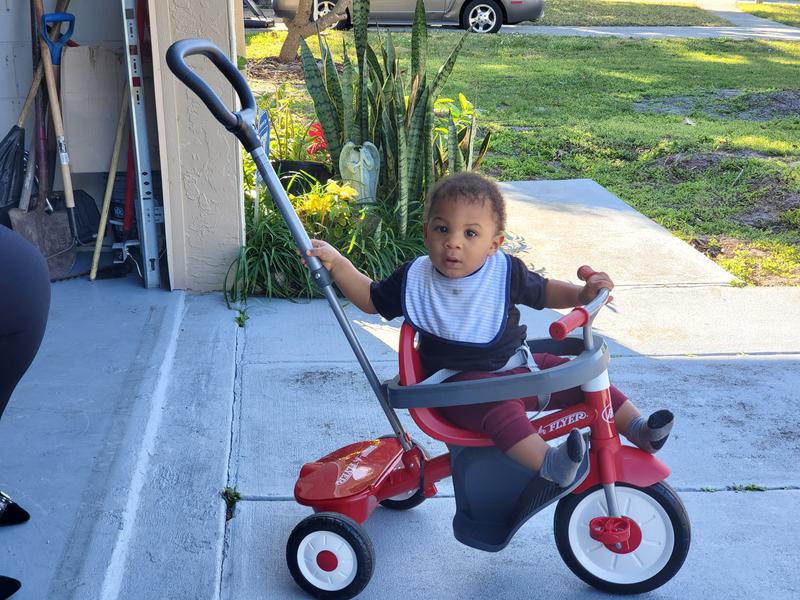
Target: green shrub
269,264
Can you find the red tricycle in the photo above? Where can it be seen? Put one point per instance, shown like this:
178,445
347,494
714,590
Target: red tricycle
620,528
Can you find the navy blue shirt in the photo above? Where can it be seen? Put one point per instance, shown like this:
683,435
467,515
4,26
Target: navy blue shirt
527,288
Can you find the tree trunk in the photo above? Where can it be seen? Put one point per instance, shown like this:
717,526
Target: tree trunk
303,26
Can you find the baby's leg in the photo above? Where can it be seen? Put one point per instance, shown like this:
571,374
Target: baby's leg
648,434
559,465
511,431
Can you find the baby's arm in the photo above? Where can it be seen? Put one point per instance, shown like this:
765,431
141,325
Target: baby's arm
562,294
353,283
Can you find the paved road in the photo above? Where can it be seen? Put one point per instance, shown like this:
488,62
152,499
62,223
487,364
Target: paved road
742,26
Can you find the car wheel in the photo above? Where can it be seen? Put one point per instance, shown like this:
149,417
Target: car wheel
326,6
482,16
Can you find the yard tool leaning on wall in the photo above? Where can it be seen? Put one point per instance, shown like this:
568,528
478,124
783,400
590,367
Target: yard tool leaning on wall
53,234
12,156
24,305
112,174
58,123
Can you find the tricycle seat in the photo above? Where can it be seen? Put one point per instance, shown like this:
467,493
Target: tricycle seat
423,400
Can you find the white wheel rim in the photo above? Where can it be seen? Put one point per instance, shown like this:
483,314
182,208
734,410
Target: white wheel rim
653,553
347,562
404,496
323,8
482,18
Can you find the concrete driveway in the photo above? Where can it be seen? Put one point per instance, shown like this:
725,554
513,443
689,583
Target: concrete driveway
143,405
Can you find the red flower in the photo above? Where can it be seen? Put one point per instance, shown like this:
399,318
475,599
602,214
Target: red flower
319,143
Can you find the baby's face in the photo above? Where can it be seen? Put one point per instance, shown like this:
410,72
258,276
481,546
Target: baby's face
460,236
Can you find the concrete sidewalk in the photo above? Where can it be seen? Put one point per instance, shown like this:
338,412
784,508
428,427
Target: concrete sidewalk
143,405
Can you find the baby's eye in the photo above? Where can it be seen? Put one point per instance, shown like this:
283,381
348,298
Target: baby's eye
440,228
471,233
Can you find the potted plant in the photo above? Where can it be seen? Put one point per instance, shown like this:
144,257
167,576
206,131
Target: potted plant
298,150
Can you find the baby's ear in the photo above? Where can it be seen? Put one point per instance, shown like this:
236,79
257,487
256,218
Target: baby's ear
496,243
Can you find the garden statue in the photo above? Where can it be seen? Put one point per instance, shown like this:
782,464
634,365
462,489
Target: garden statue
360,166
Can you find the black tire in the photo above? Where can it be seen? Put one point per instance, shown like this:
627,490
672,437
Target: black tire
571,518
345,24
482,16
412,500
354,557
406,503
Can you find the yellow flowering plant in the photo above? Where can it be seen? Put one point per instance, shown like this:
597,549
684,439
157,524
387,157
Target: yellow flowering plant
326,209
268,264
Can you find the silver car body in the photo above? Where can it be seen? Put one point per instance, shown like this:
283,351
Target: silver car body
438,12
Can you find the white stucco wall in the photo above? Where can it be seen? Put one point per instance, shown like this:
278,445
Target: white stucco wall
200,161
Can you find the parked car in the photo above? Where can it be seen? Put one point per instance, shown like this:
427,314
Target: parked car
481,16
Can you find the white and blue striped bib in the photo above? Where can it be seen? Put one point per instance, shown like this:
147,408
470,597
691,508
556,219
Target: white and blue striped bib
470,310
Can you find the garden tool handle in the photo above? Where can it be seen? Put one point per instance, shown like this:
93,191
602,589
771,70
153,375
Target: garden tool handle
239,123
56,46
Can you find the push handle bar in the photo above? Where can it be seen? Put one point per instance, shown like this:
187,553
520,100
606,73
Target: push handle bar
580,315
239,123
56,46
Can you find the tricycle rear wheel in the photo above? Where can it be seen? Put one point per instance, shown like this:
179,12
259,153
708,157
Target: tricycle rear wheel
330,556
411,498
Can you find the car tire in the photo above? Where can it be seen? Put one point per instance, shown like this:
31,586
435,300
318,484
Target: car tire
325,6
482,16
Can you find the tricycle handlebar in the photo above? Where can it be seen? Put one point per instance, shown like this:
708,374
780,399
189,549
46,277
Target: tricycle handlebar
580,315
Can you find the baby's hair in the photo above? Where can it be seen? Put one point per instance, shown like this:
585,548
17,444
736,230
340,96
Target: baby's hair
471,187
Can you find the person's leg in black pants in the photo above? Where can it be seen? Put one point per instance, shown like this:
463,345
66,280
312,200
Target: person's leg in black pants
24,304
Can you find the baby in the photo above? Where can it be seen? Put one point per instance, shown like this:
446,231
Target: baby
461,298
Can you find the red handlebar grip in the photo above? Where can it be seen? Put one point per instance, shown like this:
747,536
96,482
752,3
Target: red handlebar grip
585,272
577,318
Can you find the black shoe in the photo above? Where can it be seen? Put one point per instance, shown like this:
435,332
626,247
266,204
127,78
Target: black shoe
8,587
11,513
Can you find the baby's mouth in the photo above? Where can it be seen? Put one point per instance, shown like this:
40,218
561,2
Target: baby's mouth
451,262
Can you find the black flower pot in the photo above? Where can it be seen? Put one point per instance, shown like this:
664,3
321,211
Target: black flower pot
287,169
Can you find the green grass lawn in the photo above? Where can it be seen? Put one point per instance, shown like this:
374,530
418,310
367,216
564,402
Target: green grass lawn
604,13
567,108
782,13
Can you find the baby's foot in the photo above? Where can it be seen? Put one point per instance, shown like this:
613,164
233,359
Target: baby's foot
652,434
561,464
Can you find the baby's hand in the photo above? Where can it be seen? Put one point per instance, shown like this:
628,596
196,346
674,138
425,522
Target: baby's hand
325,252
593,286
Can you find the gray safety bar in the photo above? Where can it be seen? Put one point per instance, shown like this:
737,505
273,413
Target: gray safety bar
586,365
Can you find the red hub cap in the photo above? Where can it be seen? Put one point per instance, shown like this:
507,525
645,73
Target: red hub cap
327,561
619,534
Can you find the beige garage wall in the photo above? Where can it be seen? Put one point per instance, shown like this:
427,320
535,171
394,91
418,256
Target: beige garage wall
200,161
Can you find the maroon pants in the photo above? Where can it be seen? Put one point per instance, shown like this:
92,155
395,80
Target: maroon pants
507,422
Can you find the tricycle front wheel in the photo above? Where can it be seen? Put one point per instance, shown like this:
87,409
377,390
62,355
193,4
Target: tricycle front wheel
658,544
